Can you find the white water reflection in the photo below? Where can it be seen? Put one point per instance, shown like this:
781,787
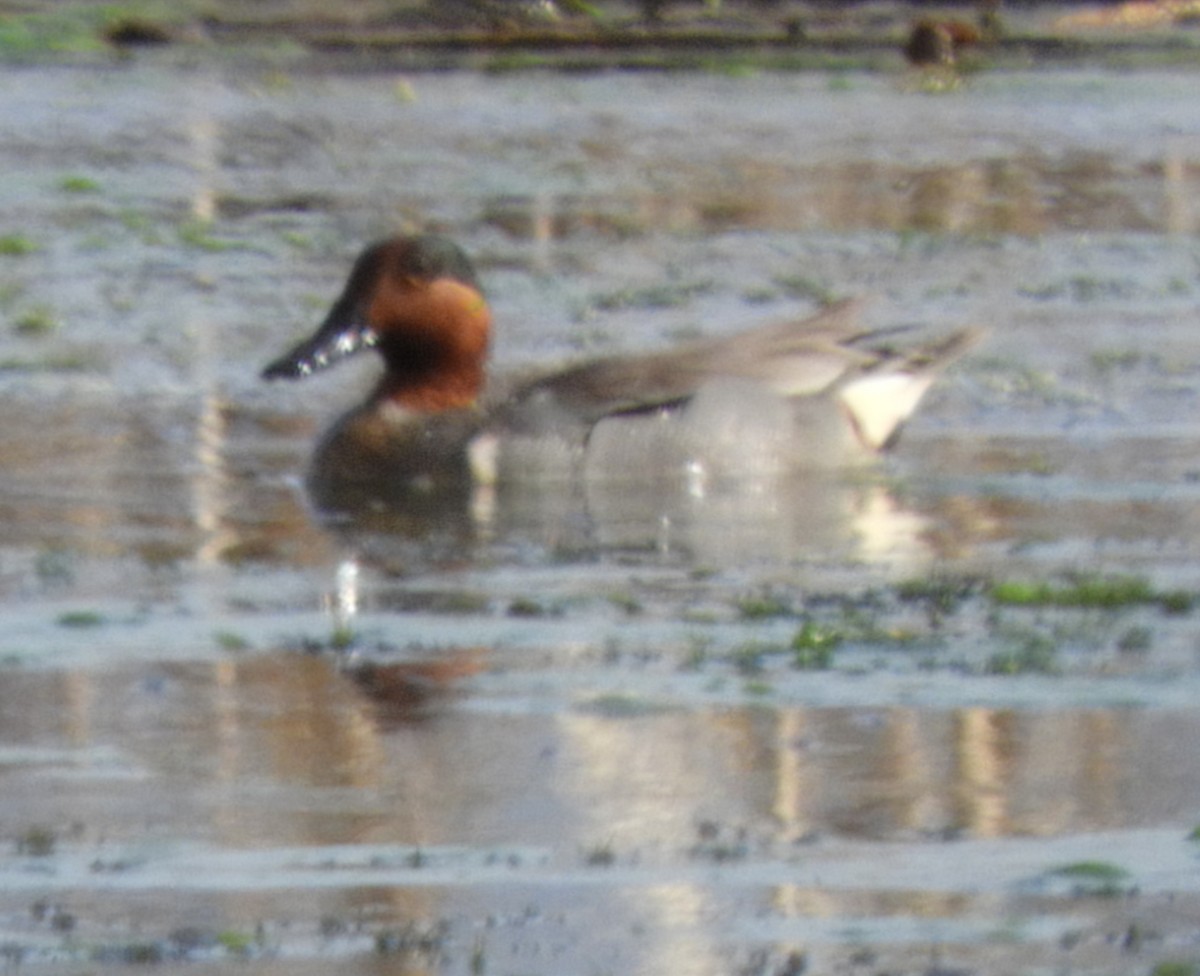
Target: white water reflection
644,785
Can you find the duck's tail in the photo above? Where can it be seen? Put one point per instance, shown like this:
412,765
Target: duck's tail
879,400
935,356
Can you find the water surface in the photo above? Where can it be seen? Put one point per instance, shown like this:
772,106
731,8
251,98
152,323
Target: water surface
561,733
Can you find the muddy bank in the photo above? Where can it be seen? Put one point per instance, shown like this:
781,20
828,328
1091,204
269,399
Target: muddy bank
494,35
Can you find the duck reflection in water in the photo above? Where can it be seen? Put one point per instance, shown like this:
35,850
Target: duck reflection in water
740,436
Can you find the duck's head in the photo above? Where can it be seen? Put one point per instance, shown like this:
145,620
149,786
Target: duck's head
417,301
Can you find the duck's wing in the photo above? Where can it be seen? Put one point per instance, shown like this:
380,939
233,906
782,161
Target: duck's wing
877,376
794,358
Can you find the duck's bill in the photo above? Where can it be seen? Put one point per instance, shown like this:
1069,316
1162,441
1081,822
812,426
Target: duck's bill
333,342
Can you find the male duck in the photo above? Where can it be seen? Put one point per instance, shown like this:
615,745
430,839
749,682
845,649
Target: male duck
431,425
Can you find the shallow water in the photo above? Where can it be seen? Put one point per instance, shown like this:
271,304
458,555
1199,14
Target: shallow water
568,735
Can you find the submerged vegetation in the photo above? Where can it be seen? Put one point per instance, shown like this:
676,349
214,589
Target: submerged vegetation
17,245
1068,625
36,321
1096,879
1072,624
81,619
814,645
1089,591
1027,627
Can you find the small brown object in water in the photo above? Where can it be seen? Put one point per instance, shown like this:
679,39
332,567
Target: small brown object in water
136,32
936,42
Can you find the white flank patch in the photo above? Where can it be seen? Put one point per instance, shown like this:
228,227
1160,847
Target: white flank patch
880,404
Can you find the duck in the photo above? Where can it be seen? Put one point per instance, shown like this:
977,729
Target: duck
808,392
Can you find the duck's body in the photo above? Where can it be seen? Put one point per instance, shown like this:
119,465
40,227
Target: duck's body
812,393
